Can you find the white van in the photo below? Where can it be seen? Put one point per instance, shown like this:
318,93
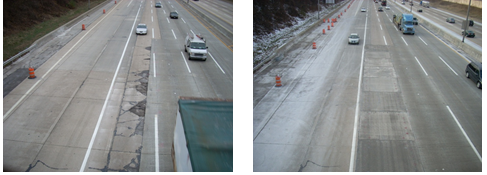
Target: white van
196,47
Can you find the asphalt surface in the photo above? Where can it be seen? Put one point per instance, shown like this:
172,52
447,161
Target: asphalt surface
92,105
390,103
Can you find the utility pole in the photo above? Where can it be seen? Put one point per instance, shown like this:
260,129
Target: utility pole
466,22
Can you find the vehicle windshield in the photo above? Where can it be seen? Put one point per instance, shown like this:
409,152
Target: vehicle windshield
408,23
353,36
198,46
141,26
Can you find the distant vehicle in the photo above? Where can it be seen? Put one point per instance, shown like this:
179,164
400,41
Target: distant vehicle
403,3
380,9
363,9
353,39
158,5
141,29
388,8
173,15
383,2
415,21
469,33
474,72
196,47
426,4
450,20
376,1
420,10
470,23
404,22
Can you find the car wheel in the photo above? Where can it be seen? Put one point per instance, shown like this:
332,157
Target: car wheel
185,49
467,75
204,59
479,85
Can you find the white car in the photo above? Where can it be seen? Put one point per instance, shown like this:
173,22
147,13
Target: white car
363,9
388,8
353,38
141,29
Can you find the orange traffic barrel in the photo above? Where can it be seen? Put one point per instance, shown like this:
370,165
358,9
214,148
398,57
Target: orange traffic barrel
332,24
338,16
31,73
323,31
82,27
278,81
328,27
314,45
328,20
103,11
115,2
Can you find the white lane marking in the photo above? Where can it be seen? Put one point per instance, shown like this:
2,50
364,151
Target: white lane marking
156,143
164,11
152,32
154,60
404,41
465,134
150,10
185,62
172,6
152,18
468,61
385,40
422,40
129,3
355,124
191,31
167,20
174,34
378,19
183,20
448,65
48,71
380,27
108,97
216,63
421,66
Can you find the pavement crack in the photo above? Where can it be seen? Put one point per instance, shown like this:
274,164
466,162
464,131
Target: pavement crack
32,166
301,167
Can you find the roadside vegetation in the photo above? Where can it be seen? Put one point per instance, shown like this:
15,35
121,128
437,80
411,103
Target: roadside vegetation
25,21
458,9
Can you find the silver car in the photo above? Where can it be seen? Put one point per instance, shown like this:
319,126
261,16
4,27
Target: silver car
363,9
141,29
353,38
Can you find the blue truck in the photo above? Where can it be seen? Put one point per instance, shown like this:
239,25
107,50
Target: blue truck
404,23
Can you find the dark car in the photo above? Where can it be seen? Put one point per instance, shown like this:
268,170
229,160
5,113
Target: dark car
158,5
450,20
474,72
380,9
173,15
469,33
470,23
415,21
420,10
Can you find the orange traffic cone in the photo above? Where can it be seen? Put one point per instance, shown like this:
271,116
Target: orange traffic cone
278,81
31,73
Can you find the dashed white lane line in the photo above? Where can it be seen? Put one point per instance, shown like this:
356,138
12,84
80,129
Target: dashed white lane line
385,40
421,66
465,134
95,132
152,18
380,26
168,20
404,41
156,143
164,11
185,62
216,62
154,63
129,3
422,40
448,65
174,34
183,20
152,33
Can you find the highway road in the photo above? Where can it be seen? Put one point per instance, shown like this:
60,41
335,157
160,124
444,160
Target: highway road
393,102
95,104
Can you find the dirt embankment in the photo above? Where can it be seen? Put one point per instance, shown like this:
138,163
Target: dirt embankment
458,9
25,21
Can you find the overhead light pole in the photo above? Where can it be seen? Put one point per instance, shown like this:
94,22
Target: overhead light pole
466,22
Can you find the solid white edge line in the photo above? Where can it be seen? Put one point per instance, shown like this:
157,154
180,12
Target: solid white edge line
156,141
465,134
48,71
88,151
404,41
216,62
355,124
421,66
185,62
174,34
422,40
154,58
448,65
129,3
385,40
